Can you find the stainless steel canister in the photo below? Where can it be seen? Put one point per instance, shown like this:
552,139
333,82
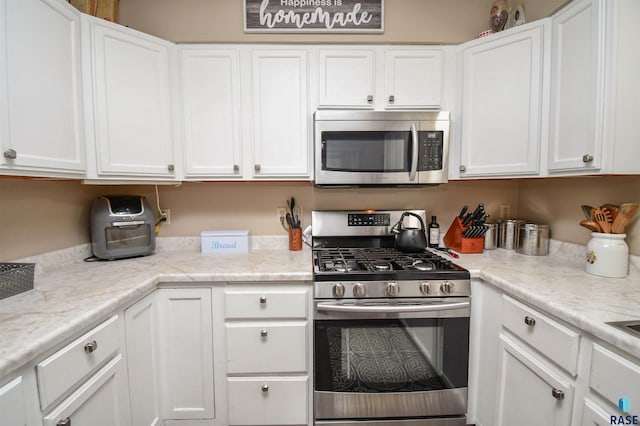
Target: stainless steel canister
491,236
508,235
533,239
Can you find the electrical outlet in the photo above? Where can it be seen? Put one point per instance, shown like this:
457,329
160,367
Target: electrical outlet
281,212
167,215
505,211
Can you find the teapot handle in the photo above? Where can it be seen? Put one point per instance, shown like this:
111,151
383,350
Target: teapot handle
397,225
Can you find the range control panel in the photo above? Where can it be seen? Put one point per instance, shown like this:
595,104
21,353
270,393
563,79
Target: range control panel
368,219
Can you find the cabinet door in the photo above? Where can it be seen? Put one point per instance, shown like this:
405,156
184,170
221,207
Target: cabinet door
281,115
142,358
133,121
594,415
530,392
211,112
12,404
347,78
186,353
414,78
97,402
501,104
41,120
577,88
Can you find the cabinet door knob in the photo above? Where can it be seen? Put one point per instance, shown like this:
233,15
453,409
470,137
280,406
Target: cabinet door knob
557,394
90,347
263,333
236,168
265,388
171,167
463,169
64,422
256,167
587,158
10,154
530,321
370,98
263,299
392,99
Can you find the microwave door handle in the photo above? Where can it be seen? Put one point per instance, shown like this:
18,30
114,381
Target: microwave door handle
331,307
414,152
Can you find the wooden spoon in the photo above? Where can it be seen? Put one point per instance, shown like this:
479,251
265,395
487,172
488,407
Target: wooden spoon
603,217
590,225
625,215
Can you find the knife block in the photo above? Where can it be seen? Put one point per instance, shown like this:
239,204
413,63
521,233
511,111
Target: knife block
453,239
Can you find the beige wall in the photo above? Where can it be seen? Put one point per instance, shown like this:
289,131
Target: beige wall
39,216
406,21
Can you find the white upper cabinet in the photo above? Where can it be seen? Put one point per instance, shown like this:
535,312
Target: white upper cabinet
132,109
346,78
502,99
41,120
577,88
413,78
404,77
623,131
211,112
280,113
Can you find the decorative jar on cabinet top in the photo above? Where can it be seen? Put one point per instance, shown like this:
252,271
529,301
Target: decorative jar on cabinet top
607,255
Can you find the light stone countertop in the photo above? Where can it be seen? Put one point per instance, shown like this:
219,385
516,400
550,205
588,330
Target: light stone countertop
71,295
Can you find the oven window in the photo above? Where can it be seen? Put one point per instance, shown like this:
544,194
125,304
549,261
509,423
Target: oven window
123,237
403,355
384,151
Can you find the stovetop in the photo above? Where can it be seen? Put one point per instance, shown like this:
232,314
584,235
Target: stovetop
371,264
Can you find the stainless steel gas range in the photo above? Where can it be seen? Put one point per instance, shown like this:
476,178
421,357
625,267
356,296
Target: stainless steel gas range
391,329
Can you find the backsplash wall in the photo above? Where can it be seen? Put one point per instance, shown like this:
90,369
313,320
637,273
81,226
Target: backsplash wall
37,216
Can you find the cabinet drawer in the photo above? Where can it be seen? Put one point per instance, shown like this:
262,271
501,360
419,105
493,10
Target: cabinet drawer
70,364
289,303
268,400
615,377
557,342
269,348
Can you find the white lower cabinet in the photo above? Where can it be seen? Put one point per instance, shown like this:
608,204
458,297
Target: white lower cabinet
530,391
12,404
186,353
268,358
141,329
98,402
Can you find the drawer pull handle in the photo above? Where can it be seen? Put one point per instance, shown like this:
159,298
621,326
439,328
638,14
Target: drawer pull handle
587,158
265,388
530,321
64,422
557,394
263,333
10,154
263,299
90,347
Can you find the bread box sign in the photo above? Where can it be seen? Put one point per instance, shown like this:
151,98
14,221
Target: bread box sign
314,16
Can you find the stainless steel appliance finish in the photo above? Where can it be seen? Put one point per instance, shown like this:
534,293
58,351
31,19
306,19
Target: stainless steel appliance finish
391,329
508,233
375,148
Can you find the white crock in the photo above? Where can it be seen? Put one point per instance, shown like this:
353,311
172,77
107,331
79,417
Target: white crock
607,255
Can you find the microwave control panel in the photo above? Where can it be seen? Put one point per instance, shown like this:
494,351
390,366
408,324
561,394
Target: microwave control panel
430,150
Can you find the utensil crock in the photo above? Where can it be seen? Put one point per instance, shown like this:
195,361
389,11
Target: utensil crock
607,255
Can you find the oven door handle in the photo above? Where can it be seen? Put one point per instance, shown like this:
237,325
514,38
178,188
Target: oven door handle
332,307
414,153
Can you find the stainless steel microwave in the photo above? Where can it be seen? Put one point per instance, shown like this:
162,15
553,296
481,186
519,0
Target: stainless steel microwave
377,148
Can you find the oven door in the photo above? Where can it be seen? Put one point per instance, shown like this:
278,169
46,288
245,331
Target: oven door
391,359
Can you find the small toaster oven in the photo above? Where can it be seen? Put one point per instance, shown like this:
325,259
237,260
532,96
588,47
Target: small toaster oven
122,226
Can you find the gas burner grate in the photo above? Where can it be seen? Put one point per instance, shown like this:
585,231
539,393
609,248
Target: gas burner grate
378,260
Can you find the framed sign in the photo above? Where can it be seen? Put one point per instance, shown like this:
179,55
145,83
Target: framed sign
365,16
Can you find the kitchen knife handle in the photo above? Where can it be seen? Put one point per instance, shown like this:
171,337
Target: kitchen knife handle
462,212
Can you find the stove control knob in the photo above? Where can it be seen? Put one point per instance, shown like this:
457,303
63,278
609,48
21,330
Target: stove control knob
393,289
425,288
447,287
338,290
358,290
